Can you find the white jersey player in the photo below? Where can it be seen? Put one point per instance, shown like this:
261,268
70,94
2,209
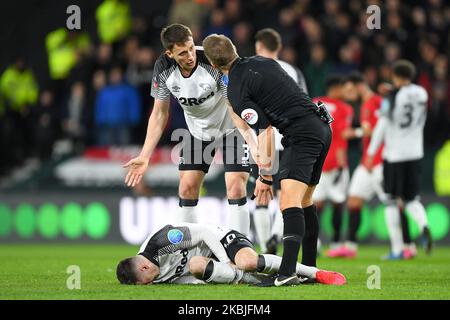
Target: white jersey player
268,44
184,72
199,253
401,129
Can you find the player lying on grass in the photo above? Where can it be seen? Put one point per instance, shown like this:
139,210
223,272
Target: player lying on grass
199,253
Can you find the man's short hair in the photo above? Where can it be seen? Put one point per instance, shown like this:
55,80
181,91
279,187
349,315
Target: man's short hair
269,38
175,34
334,80
219,50
404,69
125,271
355,77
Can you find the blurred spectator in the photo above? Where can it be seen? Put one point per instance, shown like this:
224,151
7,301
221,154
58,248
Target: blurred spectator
113,20
233,11
19,93
18,87
117,110
218,24
191,13
64,48
288,22
317,70
45,125
242,33
75,117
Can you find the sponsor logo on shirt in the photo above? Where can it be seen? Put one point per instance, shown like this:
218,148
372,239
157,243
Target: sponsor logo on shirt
205,86
250,116
176,89
175,236
194,101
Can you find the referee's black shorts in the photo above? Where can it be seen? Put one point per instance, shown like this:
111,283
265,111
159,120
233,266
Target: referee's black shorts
306,145
402,179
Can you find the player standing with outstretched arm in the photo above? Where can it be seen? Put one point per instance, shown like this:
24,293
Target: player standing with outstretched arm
262,94
184,72
401,129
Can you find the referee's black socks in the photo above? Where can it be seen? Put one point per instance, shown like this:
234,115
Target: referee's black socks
309,243
293,232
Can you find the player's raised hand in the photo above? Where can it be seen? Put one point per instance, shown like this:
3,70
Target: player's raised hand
136,169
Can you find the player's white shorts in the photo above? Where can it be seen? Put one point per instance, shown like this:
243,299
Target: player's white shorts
331,189
365,184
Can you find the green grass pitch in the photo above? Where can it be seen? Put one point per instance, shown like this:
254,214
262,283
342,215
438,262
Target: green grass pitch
40,272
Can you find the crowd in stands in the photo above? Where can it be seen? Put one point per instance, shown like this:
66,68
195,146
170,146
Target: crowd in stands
99,93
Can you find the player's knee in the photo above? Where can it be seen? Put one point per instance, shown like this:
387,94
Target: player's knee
306,202
189,190
246,259
236,188
197,266
354,203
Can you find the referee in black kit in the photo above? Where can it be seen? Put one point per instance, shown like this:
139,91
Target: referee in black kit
262,94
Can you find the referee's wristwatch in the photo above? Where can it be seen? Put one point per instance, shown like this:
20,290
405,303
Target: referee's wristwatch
265,181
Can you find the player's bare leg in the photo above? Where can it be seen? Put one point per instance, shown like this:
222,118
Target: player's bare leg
188,191
239,219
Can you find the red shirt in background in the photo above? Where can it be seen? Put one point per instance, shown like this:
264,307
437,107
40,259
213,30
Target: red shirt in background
370,112
343,115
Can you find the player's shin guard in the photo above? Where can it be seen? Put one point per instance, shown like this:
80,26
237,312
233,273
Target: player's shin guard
294,230
261,217
219,272
418,213
239,215
392,216
186,211
269,264
309,243
337,221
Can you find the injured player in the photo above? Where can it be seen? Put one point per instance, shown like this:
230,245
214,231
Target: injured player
191,253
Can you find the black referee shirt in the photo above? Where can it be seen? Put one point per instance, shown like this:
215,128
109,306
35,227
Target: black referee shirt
263,94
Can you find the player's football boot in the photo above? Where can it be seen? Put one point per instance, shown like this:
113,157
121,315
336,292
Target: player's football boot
348,252
426,240
391,256
272,245
279,281
338,252
330,277
409,253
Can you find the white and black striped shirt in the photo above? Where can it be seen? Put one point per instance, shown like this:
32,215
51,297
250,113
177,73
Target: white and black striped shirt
202,95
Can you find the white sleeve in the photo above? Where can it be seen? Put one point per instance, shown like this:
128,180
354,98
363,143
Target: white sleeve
377,136
211,238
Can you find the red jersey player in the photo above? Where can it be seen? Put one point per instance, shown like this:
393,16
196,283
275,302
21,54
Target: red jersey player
335,176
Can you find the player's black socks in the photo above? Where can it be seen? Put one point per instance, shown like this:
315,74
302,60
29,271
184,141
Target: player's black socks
293,232
405,227
354,222
309,243
337,221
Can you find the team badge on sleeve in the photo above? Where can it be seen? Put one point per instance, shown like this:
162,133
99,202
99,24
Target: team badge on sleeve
175,236
250,116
